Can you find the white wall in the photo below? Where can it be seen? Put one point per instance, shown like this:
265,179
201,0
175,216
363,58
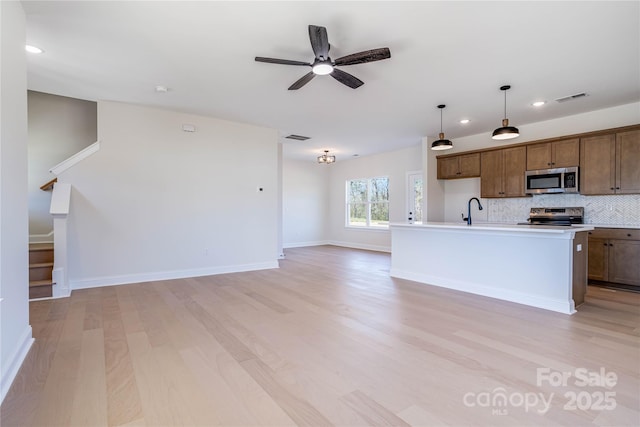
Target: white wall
15,331
305,202
156,202
395,165
59,127
458,192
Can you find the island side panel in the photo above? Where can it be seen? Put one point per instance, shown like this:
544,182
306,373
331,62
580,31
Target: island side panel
580,267
524,267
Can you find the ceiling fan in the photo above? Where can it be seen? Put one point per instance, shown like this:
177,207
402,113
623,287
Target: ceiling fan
323,65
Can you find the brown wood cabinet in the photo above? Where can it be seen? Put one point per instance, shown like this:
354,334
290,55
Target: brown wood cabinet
609,164
459,166
614,255
502,172
555,154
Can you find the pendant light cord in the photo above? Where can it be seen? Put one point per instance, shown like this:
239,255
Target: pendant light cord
441,120
505,104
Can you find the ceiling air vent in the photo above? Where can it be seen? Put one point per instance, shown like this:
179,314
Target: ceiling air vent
571,97
297,137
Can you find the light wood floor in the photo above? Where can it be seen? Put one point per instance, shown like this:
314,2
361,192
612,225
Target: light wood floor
327,339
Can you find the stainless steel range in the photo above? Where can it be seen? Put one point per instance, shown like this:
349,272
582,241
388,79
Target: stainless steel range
555,216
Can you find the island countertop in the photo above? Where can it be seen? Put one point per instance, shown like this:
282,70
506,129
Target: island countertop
500,227
540,266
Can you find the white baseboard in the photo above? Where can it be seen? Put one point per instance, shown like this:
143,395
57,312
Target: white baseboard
15,361
305,244
167,275
41,238
366,247
560,306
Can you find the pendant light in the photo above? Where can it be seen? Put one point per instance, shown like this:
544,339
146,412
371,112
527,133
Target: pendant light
326,159
441,143
506,131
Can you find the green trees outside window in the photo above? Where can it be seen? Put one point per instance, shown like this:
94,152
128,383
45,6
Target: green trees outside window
368,202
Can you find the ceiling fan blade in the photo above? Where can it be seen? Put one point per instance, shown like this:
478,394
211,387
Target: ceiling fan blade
303,81
281,61
319,41
365,56
346,79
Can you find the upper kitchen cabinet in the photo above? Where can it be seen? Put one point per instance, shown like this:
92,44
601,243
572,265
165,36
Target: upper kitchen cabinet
502,172
610,164
459,166
555,154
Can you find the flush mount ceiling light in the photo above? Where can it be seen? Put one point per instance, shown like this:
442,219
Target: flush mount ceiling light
464,121
506,131
326,159
441,143
539,103
33,49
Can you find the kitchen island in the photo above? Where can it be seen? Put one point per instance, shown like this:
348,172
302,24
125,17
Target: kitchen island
540,266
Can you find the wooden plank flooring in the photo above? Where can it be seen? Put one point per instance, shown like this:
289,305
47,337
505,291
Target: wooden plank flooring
327,339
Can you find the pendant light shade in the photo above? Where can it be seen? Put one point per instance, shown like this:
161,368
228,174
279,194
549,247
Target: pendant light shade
506,131
441,143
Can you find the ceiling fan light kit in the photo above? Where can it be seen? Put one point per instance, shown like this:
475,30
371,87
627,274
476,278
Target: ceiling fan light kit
506,131
323,65
441,143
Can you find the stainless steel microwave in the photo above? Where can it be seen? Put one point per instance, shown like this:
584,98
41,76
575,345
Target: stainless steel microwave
558,180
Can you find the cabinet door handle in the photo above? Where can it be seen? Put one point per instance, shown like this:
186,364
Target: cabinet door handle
617,188
612,188
610,244
606,244
629,235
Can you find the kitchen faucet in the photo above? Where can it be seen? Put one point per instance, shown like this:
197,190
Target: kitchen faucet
468,218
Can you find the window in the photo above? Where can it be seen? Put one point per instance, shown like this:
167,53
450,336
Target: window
368,203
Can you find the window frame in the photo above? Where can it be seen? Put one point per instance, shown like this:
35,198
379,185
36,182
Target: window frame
368,226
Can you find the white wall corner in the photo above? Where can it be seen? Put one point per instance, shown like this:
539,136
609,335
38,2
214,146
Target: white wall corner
14,362
75,159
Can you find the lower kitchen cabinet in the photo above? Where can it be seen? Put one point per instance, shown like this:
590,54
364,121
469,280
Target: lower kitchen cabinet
614,255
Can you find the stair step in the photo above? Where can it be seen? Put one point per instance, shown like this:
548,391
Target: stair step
41,264
41,271
37,283
40,291
40,252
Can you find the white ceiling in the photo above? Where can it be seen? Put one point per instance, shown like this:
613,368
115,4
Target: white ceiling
454,53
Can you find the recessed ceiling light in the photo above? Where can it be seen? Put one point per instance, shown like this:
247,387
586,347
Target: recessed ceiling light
539,103
162,89
33,49
465,121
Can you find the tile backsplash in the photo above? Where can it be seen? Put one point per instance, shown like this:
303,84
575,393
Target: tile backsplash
604,210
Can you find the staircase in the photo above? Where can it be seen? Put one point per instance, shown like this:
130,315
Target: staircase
40,270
